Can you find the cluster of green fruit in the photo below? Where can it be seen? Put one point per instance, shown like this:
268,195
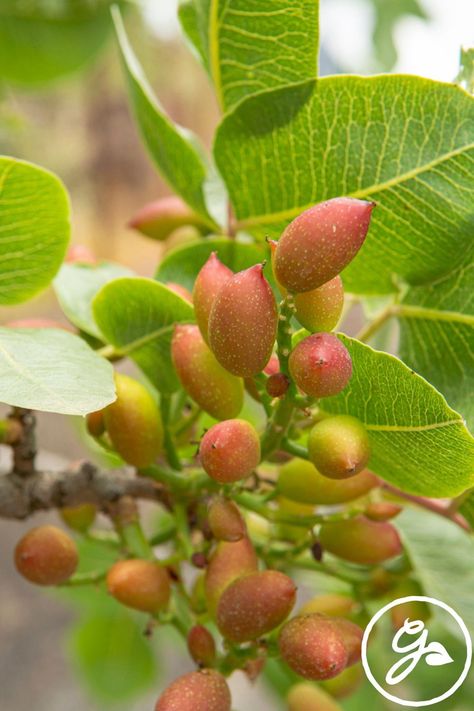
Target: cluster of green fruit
230,349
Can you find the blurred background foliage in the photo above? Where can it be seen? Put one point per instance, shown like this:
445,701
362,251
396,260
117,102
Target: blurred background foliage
63,105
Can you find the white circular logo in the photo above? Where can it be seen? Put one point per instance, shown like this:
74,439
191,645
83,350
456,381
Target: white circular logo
412,645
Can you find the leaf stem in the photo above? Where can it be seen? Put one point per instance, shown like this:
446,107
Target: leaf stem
370,329
171,453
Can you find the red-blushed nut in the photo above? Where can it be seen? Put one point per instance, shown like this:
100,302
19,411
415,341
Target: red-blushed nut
201,646
180,290
228,562
140,584
277,384
158,219
225,520
204,690
214,389
320,365
46,556
230,451
360,540
319,243
243,323
255,604
209,282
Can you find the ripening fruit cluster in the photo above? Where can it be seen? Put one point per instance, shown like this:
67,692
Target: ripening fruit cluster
240,610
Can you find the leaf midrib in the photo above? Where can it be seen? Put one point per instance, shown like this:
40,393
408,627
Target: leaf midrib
293,212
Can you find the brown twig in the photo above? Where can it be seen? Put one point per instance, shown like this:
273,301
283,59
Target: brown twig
24,445
438,507
22,496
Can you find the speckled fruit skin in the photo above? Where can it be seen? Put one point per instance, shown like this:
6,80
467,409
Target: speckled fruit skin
204,690
360,540
228,562
209,282
320,242
339,446
300,481
313,647
140,584
320,309
213,388
254,605
79,518
133,422
230,451
332,604
309,697
346,683
95,423
225,520
352,636
201,646
158,219
243,323
320,365
46,556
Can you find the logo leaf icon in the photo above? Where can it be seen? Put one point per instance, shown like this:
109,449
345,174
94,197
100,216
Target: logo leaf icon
437,655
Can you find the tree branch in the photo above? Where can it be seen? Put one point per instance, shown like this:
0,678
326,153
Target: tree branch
21,496
24,445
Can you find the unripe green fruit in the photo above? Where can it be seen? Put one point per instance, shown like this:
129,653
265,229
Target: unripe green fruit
180,290
225,520
79,518
215,390
181,237
201,646
320,242
287,530
160,218
346,683
209,282
228,562
309,697
46,556
320,365
204,690
361,540
339,446
313,646
300,481
352,636
332,604
230,451
414,610
254,605
320,309
382,510
277,385
95,423
243,323
133,422
140,584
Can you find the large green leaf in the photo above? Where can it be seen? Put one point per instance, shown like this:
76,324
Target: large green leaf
183,264
253,46
51,370
442,554
41,40
437,336
76,286
34,229
173,149
405,142
137,316
418,442
111,653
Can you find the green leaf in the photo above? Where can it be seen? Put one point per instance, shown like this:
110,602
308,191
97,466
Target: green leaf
183,264
42,40
51,370
252,47
76,286
173,149
448,577
405,142
418,442
34,229
437,336
112,655
137,316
